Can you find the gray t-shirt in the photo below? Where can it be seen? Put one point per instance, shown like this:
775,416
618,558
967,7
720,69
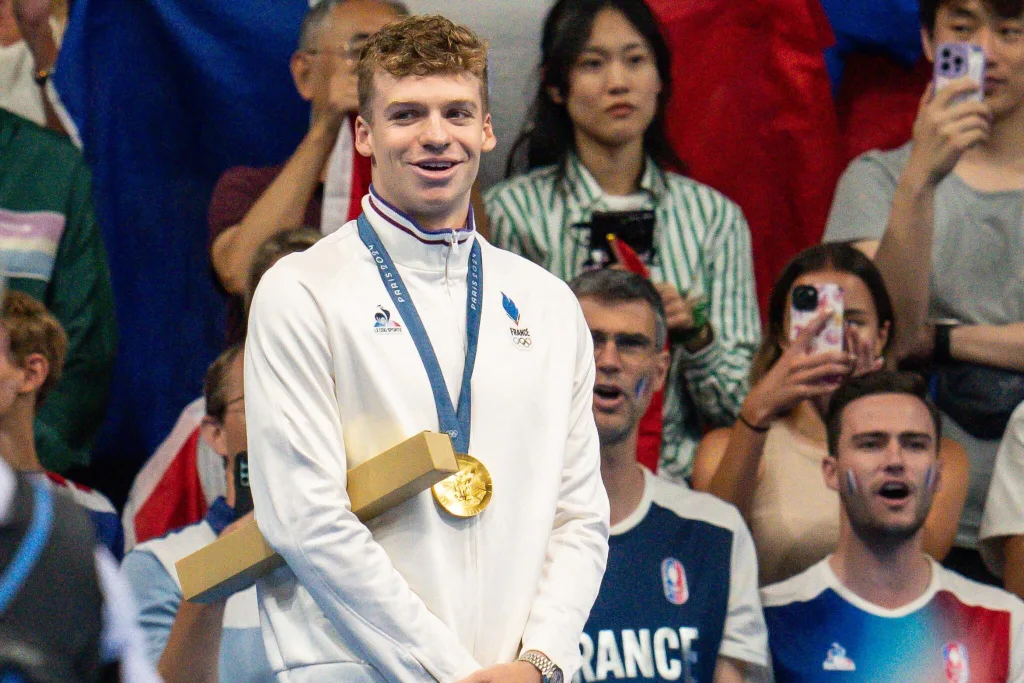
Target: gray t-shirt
977,270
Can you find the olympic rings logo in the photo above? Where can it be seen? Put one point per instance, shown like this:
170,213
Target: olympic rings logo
522,342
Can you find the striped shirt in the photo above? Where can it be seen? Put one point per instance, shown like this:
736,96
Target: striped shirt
702,246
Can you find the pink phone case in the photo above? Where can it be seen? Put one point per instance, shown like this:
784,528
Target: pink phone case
831,338
955,60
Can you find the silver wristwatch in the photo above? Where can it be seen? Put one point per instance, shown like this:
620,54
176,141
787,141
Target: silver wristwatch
549,672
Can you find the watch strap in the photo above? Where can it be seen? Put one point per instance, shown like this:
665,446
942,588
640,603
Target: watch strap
549,671
941,352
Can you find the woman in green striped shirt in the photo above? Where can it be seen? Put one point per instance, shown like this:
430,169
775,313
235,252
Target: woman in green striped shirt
597,145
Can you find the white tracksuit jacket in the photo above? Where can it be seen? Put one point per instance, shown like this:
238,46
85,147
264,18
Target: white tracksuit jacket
417,594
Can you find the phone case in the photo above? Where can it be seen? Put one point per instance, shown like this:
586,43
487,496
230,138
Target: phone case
243,494
955,60
831,338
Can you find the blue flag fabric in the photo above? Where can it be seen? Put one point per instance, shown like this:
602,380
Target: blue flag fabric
168,94
888,26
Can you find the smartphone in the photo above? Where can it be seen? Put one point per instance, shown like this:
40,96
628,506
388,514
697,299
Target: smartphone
243,494
955,60
635,228
808,300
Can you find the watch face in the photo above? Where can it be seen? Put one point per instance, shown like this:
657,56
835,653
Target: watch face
556,677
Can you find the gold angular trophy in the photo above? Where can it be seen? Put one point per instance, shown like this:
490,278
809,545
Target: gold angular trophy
235,561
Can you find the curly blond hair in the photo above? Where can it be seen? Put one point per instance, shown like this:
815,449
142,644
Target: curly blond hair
33,329
421,46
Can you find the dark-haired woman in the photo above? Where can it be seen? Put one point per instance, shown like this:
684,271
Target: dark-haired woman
769,463
597,145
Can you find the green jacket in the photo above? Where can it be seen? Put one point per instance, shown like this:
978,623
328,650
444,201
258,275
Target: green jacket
51,249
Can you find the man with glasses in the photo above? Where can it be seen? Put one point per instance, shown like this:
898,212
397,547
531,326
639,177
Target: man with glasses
188,641
679,596
249,205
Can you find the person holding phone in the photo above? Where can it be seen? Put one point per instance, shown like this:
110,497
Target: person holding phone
191,642
769,464
597,149
943,217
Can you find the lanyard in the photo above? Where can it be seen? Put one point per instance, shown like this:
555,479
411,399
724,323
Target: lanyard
454,423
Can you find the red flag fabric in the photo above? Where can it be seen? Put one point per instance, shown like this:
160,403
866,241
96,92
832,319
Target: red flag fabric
177,483
877,102
752,115
648,447
360,186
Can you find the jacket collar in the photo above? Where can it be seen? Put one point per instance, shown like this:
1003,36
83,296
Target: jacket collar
410,245
581,186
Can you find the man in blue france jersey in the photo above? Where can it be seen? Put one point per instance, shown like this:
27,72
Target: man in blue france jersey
879,609
679,597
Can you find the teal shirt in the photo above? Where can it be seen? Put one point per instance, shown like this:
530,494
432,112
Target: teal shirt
702,244
51,249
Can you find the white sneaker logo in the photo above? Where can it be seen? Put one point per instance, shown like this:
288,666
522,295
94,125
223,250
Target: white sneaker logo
836,660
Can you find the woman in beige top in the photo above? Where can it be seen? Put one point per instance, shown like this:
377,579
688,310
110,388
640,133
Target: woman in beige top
769,463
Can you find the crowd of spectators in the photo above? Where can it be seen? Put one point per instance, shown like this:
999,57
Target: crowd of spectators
738,455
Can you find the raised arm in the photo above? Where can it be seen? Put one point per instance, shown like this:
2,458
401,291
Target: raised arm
298,473
281,206
728,461
33,18
943,131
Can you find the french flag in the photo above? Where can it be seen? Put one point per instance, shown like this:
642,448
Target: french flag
177,484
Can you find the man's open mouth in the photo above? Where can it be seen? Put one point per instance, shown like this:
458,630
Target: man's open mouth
894,490
608,392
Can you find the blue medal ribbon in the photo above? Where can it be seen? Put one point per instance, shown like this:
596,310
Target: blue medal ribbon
453,422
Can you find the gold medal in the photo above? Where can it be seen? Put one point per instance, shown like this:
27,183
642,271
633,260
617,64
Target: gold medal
467,492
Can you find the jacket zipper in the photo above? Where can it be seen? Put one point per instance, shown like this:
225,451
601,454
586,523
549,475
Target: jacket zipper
453,249
472,570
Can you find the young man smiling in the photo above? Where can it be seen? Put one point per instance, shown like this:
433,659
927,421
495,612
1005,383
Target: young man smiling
879,609
373,335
